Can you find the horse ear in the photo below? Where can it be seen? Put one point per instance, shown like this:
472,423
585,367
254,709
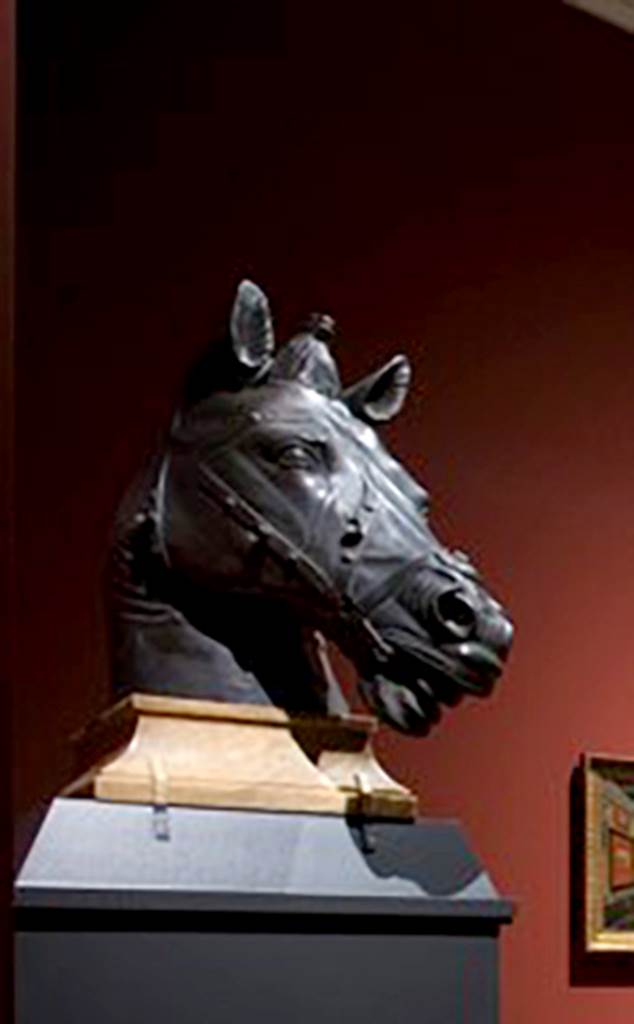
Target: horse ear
380,396
251,329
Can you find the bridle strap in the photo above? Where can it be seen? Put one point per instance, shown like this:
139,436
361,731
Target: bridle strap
284,550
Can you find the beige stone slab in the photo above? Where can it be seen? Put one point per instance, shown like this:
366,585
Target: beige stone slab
617,12
162,750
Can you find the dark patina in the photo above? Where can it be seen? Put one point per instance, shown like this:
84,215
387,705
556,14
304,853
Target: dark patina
274,518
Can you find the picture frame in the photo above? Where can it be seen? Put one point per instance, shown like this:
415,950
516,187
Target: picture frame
608,789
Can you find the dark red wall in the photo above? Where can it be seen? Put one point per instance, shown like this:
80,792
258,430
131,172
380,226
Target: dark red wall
7,497
455,182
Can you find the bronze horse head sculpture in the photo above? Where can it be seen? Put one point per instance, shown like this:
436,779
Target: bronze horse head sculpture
274,518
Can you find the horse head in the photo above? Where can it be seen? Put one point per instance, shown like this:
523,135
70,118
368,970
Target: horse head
274,517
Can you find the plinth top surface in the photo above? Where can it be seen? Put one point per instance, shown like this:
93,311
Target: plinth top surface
99,855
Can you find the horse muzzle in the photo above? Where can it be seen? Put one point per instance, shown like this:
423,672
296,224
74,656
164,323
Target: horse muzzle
449,639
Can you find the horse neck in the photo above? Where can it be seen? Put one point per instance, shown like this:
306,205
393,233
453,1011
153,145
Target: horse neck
154,647
160,645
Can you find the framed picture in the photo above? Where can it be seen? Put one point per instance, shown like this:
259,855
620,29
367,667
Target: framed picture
609,853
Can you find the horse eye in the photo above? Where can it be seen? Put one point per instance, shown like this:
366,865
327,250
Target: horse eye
295,456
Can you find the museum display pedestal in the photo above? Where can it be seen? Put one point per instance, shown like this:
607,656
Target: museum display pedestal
151,749
129,913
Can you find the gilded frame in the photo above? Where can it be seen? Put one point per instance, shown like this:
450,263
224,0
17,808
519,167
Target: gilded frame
609,832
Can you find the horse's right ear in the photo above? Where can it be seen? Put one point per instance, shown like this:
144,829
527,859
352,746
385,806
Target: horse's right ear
379,397
251,330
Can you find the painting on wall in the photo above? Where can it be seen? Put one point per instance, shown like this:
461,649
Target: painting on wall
609,853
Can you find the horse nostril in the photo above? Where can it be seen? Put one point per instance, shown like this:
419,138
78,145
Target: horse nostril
353,535
455,613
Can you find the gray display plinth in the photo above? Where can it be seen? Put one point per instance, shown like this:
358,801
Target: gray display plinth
125,914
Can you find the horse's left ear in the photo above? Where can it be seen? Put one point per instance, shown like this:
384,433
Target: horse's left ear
380,396
251,329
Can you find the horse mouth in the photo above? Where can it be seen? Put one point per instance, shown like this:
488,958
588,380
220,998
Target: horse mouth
471,665
410,689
